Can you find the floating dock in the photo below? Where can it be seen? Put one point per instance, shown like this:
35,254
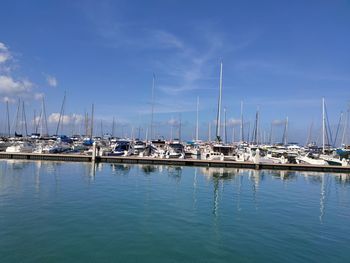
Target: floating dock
180,162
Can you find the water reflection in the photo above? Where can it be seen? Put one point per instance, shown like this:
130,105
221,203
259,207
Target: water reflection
326,182
216,197
219,172
342,178
120,169
194,195
175,172
148,169
284,175
17,174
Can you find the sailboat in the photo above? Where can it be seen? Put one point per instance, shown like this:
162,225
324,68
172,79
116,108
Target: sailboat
219,150
311,158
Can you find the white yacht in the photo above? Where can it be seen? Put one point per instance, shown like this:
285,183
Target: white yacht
20,147
310,159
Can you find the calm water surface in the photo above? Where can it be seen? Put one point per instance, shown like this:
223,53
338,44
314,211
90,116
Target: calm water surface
77,212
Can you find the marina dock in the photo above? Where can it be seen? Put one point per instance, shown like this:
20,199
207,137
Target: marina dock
180,162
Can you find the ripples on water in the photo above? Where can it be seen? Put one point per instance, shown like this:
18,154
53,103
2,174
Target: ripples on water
79,212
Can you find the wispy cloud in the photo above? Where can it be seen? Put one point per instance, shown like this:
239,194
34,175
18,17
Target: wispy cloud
115,33
166,40
4,53
287,102
51,81
186,67
278,68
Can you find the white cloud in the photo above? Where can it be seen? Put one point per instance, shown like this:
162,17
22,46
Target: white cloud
10,86
77,118
2,46
233,122
278,122
37,120
52,81
66,119
54,117
3,57
173,122
4,53
38,96
8,99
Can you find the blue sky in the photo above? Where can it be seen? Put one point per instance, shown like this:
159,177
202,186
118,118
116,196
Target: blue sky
280,56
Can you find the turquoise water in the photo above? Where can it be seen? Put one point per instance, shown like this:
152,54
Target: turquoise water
77,212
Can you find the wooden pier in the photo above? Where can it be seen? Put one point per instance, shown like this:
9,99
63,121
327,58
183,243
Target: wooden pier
180,162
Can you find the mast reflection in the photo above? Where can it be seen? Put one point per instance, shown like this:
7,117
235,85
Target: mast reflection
175,172
120,169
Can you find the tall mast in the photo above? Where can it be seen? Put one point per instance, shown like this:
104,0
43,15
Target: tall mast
248,131
285,132
61,113
92,121
17,115
270,138
209,131
287,122
338,128
346,127
233,134
197,128
218,119
34,121
180,124
171,131
43,118
8,118
24,119
225,128
257,127
255,136
242,134
86,123
113,126
323,127
152,106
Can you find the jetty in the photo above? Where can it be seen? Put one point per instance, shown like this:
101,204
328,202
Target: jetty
179,162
